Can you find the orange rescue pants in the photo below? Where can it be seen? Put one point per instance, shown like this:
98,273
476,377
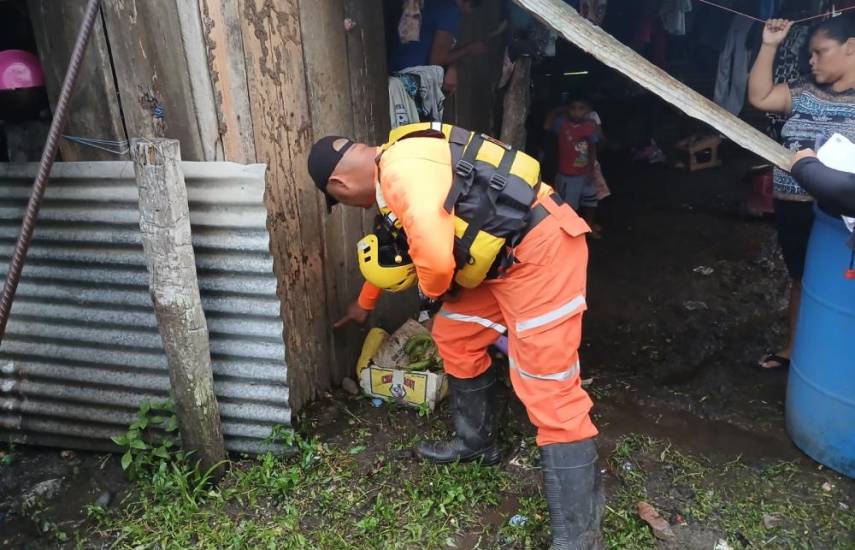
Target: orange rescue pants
539,302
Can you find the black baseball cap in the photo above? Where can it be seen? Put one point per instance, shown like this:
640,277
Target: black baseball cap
323,158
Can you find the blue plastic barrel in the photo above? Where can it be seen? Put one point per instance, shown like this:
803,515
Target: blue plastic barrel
821,388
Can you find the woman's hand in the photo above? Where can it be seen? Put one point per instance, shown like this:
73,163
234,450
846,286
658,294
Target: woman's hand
776,31
803,154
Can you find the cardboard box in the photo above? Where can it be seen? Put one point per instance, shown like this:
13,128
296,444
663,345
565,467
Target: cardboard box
384,377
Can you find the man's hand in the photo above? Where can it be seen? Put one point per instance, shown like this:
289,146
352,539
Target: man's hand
776,31
354,314
803,154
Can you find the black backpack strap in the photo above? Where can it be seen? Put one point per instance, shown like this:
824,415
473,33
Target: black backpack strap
486,208
463,168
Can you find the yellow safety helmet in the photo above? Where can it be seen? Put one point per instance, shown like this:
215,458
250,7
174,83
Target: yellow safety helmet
385,265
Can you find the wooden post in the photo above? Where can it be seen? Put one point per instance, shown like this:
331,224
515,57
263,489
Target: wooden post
165,227
567,22
516,104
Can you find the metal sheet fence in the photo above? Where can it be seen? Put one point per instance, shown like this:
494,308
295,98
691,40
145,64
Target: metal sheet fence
82,349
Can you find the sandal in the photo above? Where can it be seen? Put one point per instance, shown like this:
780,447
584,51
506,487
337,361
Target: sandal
782,363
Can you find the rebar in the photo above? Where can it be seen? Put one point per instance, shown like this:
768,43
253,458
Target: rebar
25,237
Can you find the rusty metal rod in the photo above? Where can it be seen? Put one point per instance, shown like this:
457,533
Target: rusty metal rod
16,265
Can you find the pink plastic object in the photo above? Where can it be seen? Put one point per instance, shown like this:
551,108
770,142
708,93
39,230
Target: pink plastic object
760,200
20,69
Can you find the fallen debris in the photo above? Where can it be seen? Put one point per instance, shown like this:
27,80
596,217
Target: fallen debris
350,386
104,499
722,545
770,521
517,521
43,491
695,305
661,528
827,487
704,270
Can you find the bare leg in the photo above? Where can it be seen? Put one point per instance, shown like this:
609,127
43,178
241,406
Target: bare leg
772,362
795,302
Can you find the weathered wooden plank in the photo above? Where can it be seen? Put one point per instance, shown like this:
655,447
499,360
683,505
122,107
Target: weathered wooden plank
152,73
331,106
479,75
566,21
195,52
227,67
171,263
366,51
516,103
94,111
283,135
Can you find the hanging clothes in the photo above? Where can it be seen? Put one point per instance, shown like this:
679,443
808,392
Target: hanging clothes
733,67
426,90
650,39
410,24
673,14
593,10
402,108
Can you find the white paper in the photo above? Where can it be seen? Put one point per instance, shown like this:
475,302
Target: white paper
839,153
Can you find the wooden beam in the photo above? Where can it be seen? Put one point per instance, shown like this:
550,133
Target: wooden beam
94,111
567,22
171,262
201,88
474,101
276,79
516,103
366,53
331,106
226,64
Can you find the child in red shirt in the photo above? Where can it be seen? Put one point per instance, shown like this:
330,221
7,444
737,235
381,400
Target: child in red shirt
577,155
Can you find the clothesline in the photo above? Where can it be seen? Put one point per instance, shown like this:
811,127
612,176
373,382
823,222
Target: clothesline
803,20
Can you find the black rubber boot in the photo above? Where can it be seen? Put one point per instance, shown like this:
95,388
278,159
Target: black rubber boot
473,402
574,494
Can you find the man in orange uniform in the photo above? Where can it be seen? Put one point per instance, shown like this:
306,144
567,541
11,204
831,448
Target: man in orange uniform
538,301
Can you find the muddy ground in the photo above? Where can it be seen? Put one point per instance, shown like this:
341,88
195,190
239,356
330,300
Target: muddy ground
686,424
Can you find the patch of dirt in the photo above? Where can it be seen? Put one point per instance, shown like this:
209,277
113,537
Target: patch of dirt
78,479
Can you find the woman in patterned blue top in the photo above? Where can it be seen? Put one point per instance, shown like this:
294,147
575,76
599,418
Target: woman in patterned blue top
817,108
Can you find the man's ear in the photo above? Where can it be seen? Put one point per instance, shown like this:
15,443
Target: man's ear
849,47
336,184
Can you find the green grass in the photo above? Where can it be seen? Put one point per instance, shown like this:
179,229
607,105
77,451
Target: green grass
358,493
322,497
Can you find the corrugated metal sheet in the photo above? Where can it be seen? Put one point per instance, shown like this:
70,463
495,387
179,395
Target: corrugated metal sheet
82,348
